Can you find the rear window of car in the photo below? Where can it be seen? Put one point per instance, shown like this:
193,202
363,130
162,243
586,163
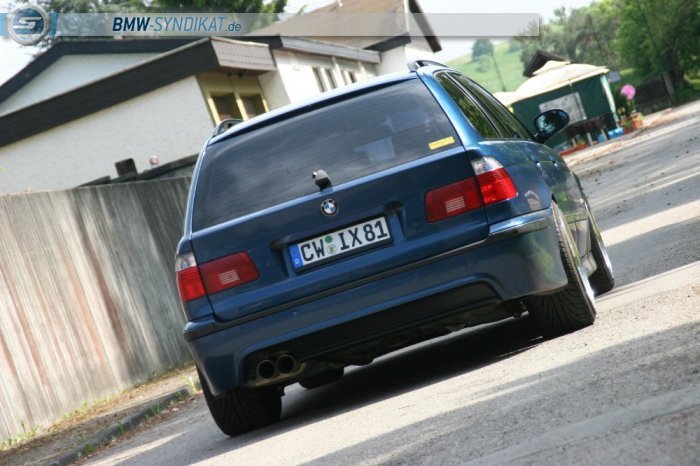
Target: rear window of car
348,139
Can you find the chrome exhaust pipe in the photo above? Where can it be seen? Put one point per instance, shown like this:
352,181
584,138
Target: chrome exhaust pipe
286,364
266,369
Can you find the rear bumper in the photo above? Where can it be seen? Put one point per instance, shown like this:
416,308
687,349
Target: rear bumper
520,257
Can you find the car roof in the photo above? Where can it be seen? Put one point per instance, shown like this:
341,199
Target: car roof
318,101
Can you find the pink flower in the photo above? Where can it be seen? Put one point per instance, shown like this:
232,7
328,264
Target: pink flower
628,91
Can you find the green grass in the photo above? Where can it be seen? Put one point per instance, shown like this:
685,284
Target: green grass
508,62
27,434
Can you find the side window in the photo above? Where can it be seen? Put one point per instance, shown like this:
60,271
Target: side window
474,114
510,124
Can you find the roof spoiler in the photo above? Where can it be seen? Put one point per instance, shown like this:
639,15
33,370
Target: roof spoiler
413,65
224,125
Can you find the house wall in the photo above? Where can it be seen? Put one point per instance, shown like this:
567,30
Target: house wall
421,44
276,85
295,81
70,72
296,71
392,60
88,301
171,122
396,59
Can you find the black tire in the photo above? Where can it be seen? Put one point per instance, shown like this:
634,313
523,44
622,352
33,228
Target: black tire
603,279
243,409
573,307
324,378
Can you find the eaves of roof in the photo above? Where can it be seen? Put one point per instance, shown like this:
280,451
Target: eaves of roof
318,47
85,47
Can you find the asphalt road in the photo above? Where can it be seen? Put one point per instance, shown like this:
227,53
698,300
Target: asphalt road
624,391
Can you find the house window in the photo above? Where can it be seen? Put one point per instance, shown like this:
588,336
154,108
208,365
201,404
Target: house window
253,105
349,77
331,78
226,106
319,79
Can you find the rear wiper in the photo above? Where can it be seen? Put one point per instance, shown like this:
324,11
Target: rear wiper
321,179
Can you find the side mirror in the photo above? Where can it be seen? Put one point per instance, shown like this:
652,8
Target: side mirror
224,125
550,123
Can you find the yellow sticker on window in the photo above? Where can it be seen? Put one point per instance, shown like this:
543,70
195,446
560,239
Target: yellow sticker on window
441,143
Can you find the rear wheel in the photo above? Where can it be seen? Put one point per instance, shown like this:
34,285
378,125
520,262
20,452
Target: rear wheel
602,279
324,378
573,307
243,409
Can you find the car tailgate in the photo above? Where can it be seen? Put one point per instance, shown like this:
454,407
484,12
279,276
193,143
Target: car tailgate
394,198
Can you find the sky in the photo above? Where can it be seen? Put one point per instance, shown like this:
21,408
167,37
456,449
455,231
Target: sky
14,56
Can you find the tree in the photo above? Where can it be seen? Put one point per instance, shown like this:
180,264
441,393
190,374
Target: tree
652,36
603,21
91,6
656,36
546,40
482,46
482,52
129,6
584,35
231,6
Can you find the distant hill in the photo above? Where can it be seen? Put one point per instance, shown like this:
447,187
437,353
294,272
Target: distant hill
485,74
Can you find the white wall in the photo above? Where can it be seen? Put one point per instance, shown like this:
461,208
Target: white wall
70,72
272,84
392,60
171,122
294,80
396,59
296,71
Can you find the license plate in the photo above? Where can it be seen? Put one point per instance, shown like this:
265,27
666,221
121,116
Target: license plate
340,243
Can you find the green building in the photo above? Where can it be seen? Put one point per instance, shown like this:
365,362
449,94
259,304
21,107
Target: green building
579,89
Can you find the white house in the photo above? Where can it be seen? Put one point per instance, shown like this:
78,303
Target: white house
81,106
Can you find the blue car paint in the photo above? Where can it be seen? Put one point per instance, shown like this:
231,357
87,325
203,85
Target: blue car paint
223,331
507,266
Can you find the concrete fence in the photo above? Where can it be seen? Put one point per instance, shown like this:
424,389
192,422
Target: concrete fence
88,301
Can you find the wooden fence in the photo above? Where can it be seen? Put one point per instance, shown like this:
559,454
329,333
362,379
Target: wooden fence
88,301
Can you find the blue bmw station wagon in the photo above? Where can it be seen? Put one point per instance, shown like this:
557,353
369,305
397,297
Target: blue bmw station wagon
327,233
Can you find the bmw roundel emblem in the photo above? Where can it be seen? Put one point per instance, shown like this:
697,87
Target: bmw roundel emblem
329,207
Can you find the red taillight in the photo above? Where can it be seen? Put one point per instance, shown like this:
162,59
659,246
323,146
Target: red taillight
451,200
492,184
228,272
189,282
495,183
217,275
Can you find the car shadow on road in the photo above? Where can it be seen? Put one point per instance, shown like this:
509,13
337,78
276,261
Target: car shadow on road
392,375
416,367
607,383
604,380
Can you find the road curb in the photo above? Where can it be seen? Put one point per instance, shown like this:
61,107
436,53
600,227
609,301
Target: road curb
120,428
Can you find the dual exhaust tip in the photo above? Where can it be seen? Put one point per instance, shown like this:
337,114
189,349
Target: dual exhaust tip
284,365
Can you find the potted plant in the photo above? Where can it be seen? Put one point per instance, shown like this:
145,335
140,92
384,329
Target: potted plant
630,118
637,120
